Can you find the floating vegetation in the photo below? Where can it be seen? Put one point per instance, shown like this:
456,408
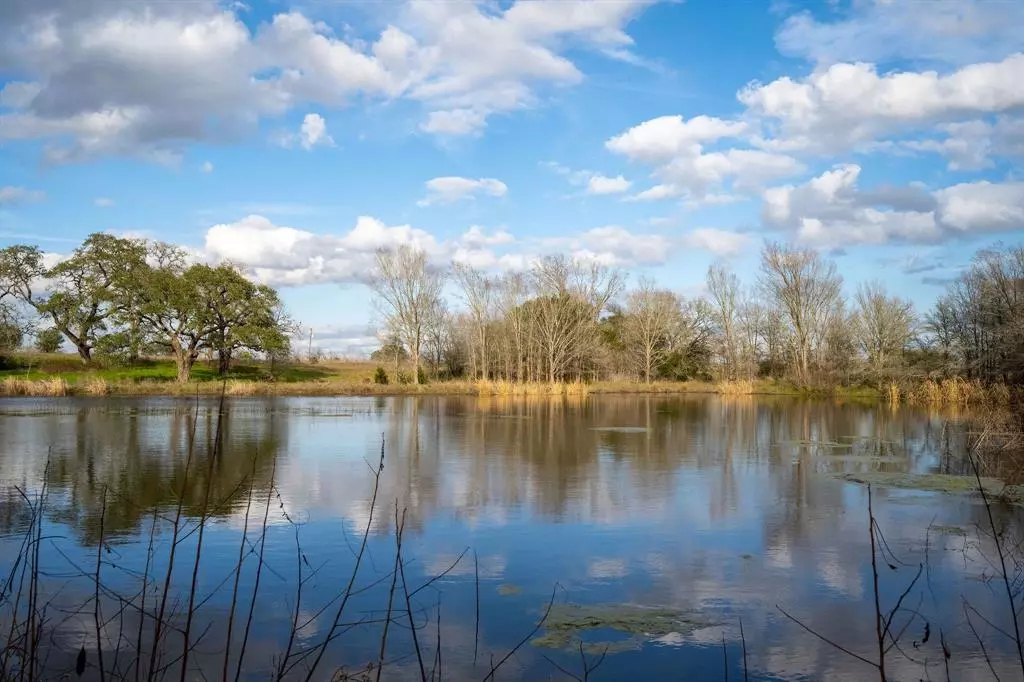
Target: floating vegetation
621,429
628,627
507,590
948,530
941,483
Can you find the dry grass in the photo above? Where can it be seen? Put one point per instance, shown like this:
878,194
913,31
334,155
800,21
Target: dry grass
93,386
957,392
52,387
735,387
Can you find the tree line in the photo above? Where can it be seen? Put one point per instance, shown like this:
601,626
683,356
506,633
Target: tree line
560,320
131,297
567,320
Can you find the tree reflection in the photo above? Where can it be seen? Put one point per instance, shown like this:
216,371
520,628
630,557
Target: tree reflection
139,456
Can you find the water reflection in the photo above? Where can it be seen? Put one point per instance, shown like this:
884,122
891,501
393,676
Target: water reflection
698,502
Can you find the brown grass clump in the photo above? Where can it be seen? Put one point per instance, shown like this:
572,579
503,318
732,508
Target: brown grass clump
52,387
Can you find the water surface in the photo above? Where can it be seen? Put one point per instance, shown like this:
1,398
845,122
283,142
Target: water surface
718,508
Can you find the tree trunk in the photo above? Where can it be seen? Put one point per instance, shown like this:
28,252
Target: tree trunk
184,363
223,361
84,352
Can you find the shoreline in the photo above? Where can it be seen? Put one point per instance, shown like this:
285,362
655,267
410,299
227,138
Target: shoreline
59,385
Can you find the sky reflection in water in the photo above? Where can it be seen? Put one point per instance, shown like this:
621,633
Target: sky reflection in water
717,507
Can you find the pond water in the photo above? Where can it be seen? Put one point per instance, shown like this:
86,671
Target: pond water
654,526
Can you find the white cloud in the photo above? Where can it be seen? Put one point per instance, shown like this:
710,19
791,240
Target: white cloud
449,189
600,184
718,242
593,183
312,133
849,105
206,167
103,202
10,195
666,137
145,78
970,145
287,256
830,210
613,245
982,206
951,31
454,122
675,148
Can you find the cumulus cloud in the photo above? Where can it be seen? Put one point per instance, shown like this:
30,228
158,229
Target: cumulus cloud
847,105
449,189
312,133
593,183
675,149
718,242
10,195
601,184
146,78
971,145
831,210
952,31
287,256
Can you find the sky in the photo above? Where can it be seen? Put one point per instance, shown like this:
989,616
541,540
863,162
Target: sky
295,138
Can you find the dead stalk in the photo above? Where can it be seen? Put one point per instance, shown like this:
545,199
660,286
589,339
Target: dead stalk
97,620
355,570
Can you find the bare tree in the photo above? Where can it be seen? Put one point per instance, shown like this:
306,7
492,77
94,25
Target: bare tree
570,299
652,315
408,289
723,291
806,288
883,324
477,293
513,293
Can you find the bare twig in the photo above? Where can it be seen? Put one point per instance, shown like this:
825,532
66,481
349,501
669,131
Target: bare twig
97,620
355,570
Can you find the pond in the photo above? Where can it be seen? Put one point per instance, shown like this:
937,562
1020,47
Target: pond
658,537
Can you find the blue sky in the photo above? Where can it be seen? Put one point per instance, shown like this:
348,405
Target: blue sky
660,137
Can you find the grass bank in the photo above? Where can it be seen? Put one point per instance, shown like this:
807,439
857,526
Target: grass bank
34,374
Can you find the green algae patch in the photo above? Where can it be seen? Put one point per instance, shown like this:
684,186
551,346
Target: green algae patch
940,483
507,590
628,627
948,530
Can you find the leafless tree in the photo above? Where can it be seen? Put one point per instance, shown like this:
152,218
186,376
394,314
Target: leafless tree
806,288
408,290
883,324
652,315
723,292
477,293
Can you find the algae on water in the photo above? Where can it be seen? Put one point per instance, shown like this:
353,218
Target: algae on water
568,625
507,589
943,483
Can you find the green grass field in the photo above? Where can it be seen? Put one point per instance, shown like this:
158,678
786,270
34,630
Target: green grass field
65,374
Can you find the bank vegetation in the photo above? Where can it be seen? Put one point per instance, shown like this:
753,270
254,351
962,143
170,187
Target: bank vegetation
561,325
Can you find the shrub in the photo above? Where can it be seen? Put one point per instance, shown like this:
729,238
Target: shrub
49,340
10,337
404,378
421,377
380,376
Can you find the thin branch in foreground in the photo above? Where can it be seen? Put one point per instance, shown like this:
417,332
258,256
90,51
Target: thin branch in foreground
97,619
408,604
355,569
524,640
